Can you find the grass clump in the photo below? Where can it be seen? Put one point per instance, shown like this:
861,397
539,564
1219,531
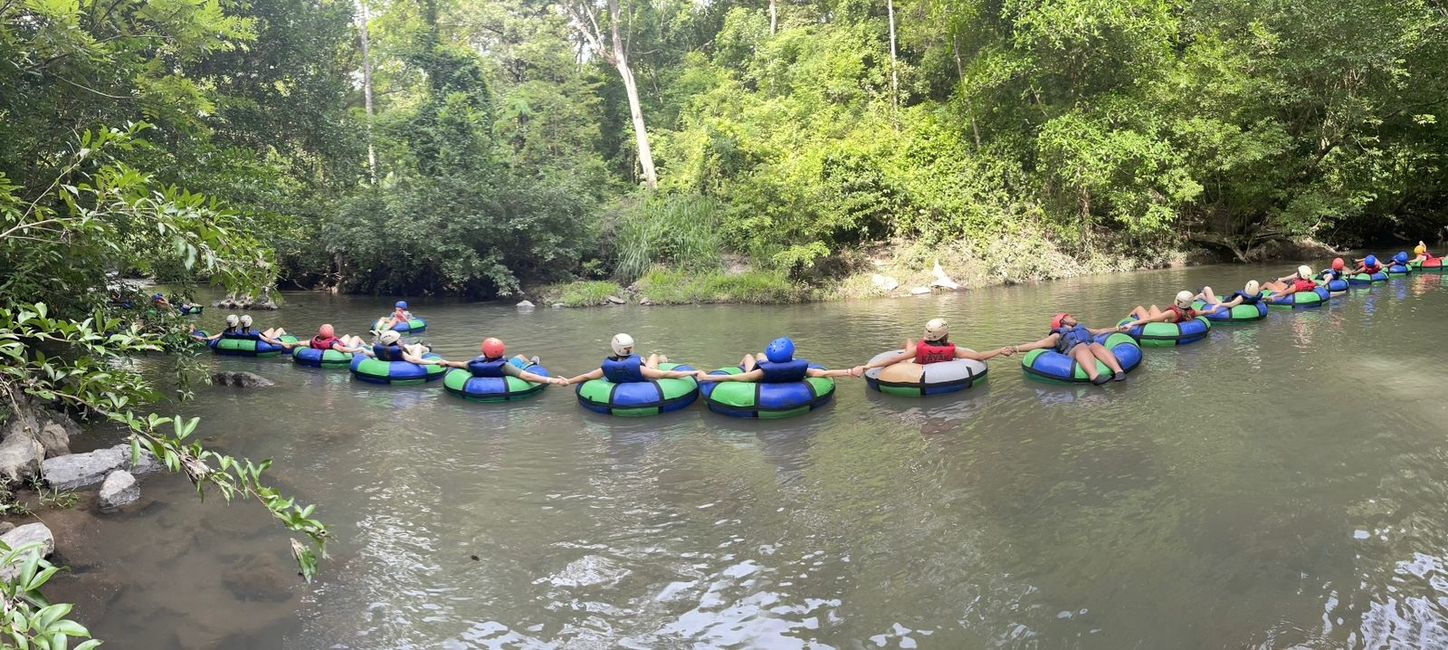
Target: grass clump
584,293
667,287
679,231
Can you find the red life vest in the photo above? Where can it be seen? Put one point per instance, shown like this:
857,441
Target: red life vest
1303,286
1182,315
319,343
928,352
1373,270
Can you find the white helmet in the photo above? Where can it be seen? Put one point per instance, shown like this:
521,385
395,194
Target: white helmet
1304,272
232,320
1253,288
1184,299
390,337
246,320
936,329
622,344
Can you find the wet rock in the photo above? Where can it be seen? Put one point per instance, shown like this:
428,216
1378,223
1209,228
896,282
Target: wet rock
884,283
55,439
645,301
558,305
919,291
27,534
240,379
20,457
257,581
615,300
77,471
525,304
119,489
6,527
265,305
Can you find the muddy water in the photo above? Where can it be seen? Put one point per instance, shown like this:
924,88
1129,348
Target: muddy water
1282,483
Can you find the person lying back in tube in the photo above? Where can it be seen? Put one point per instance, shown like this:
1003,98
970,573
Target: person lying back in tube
1250,294
1368,265
1338,271
1420,254
935,347
494,362
623,366
398,316
777,365
1301,281
327,339
389,347
1180,311
1069,337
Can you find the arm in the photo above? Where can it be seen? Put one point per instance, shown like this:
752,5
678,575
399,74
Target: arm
1109,330
907,353
1048,342
962,353
596,373
655,373
842,372
752,375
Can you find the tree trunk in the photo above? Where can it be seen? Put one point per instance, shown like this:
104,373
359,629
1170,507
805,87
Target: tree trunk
894,74
635,109
773,17
363,15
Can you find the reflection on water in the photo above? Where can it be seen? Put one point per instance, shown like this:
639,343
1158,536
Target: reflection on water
1279,485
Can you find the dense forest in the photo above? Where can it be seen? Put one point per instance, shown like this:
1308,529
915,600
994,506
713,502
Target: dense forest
480,148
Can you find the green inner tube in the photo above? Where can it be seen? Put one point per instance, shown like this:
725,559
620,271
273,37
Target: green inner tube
639,399
381,371
329,358
1237,314
249,347
752,398
456,382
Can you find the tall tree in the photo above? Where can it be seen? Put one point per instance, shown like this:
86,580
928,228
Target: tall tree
611,47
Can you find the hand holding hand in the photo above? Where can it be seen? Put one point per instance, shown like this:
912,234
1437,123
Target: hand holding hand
857,371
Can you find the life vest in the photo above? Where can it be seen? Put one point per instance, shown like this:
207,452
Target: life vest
485,367
1182,315
387,352
929,352
1246,299
319,343
780,373
1331,275
1303,286
1373,270
402,316
1072,337
236,333
623,371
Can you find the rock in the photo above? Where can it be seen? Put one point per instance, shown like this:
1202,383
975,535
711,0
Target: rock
919,291
55,439
942,280
119,489
241,379
559,305
27,534
265,305
6,527
20,458
884,283
645,301
76,471
615,300
524,305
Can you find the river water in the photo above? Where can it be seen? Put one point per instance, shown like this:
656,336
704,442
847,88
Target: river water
1282,484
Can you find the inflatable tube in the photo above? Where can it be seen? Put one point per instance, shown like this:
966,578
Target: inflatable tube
1237,314
1364,278
639,398
461,382
1334,287
1434,265
199,338
314,358
910,379
1398,269
191,310
1300,300
397,373
1054,366
413,326
248,347
1169,334
751,399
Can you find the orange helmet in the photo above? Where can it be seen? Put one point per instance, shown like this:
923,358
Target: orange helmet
1338,264
1056,320
326,331
493,348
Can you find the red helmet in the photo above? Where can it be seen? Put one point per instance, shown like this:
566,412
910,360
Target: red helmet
1338,264
493,348
326,331
1056,320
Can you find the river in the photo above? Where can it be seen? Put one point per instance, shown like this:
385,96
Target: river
1282,484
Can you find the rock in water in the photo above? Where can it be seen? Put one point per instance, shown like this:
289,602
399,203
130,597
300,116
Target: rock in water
119,489
27,534
525,304
76,471
919,291
615,300
240,379
55,439
942,280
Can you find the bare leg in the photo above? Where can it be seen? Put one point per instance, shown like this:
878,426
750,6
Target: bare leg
1139,313
652,361
1100,352
748,363
1082,355
1208,296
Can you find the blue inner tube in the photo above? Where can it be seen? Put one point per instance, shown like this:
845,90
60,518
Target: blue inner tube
1169,334
1052,365
766,400
313,358
1336,286
415,325
377,371
464,384
1398,269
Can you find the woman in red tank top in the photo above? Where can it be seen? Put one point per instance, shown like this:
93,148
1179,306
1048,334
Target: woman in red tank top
935,347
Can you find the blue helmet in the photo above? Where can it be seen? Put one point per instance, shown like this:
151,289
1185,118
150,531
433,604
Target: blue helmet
1371,260
780,350
1401,257
401,304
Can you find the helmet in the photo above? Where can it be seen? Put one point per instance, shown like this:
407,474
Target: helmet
1304,272
401,304
232,320
390,337
246,320
780,350
936,329
1401,257
493,348
1184,298
157,297
1253,288
326,331
1338,264
622,344
1420,249
1371,260
1056,320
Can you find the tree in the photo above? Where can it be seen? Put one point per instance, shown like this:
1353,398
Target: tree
609,45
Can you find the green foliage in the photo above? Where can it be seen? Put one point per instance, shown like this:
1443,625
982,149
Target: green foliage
678,231
30,621
582,293
681,287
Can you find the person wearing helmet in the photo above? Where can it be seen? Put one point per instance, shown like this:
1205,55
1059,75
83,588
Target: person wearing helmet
1069,337
777,365
1368,265
1288,285
935,347
327,339
160,302
1250,294
623,366
493,362
232,331
1179,311
398,316
272,335
389,347
1420,254
1337,271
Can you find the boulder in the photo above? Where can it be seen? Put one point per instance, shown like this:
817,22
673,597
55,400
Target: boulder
615,300
240,379
884,283
27,534
119,489
55,439
77,471
526,304
645,301
919,291
559,305
20,457
6,527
